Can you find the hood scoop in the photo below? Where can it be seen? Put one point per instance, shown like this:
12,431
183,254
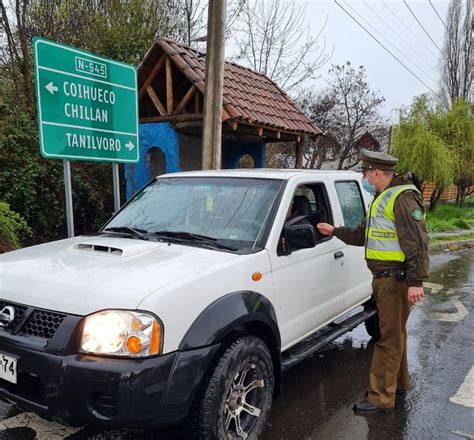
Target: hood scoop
98,249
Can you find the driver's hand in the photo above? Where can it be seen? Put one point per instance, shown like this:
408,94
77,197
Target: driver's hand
325,228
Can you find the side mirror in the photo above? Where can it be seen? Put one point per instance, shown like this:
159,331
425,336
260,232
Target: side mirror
300,237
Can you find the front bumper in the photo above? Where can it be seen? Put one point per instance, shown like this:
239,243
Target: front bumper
79,389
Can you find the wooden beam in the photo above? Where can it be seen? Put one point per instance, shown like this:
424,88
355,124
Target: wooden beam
260,131
171,118
188,124
169,86
185,100
271,131
156,101
233,124
158,66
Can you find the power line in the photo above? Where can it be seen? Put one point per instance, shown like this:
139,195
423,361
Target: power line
401,62
439,16
401,38
409,29
403,55
422,27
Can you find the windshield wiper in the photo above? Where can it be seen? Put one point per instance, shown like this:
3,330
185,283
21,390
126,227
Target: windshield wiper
136,233
193,238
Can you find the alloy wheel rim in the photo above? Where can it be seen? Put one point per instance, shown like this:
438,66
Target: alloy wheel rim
243,406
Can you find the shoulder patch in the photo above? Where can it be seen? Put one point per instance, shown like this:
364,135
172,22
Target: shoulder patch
417,214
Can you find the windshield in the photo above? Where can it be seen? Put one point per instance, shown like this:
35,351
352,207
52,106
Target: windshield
233,211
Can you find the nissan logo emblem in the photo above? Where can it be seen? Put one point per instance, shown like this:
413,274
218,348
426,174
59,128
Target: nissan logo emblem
7,316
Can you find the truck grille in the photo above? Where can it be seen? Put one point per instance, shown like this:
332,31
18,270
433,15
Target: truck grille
43,324
34,322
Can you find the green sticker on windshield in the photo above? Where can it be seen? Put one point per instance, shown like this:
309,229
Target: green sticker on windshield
417,214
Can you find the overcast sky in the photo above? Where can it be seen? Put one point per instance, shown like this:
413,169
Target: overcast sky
352,43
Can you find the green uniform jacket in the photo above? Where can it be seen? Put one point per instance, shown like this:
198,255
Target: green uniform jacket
411,231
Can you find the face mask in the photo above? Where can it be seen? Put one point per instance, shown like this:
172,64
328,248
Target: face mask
367,186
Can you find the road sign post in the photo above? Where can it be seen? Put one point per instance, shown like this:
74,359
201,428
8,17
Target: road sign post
87,107
68,197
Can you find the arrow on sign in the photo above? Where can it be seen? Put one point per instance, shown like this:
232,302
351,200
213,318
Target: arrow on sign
130,146
51,88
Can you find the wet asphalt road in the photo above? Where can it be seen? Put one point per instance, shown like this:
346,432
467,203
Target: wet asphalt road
319,393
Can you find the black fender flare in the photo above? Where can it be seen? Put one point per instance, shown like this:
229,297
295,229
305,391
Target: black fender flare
228,313
246,311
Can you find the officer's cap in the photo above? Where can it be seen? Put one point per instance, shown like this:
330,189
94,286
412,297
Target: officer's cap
373,160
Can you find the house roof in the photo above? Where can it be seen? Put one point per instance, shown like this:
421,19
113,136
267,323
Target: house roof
249,97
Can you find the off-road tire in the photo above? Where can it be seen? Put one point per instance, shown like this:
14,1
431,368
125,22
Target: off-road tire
211,408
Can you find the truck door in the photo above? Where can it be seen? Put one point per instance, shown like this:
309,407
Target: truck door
353,211
309,283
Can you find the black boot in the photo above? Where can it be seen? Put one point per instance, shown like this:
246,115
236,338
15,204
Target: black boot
365,407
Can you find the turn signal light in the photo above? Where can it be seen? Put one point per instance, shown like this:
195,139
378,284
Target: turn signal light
155,338
257,276
134,345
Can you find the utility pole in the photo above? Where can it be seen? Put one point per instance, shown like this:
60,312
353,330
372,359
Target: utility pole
212,123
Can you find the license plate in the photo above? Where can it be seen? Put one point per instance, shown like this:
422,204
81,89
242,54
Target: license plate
8,368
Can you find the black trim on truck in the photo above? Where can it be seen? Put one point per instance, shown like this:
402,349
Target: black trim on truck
228,313
237,312
80,389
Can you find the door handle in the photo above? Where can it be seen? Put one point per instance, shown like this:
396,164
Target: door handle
338,254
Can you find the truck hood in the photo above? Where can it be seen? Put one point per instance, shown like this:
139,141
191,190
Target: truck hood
85,274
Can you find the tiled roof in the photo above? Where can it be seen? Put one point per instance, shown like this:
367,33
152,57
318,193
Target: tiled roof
250,97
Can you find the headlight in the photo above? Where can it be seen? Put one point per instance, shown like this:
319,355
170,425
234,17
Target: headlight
121,333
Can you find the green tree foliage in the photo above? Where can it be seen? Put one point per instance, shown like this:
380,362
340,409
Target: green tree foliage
119,29
435,144
456,128
13,229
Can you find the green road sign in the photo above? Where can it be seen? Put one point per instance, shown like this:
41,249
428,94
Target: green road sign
87,105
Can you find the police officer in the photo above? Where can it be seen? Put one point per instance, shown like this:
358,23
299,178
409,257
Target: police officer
396,251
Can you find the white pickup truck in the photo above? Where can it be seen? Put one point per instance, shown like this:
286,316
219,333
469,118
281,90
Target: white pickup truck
188,304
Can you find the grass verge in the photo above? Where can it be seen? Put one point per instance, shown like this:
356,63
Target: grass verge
449,217
446,238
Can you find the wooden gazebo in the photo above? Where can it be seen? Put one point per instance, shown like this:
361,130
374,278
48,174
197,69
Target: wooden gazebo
171,88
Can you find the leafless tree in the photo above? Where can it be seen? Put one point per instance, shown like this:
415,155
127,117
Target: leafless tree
273,37
457,57
342,110
15,50
319,107
192,18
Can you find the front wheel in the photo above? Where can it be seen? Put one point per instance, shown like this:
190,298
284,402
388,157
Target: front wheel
235,399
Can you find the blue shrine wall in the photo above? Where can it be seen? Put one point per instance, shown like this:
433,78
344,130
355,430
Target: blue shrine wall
180,153
156,135
233,150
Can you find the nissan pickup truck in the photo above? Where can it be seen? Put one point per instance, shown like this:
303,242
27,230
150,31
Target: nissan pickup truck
187,306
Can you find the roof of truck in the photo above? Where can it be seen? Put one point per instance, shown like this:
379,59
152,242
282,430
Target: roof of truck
267,173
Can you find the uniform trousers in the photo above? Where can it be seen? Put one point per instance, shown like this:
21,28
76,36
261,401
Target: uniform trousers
389,368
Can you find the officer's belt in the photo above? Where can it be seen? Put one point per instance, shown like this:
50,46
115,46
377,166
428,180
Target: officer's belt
399,274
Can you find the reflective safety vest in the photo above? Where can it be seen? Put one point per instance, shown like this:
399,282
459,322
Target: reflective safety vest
381,239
